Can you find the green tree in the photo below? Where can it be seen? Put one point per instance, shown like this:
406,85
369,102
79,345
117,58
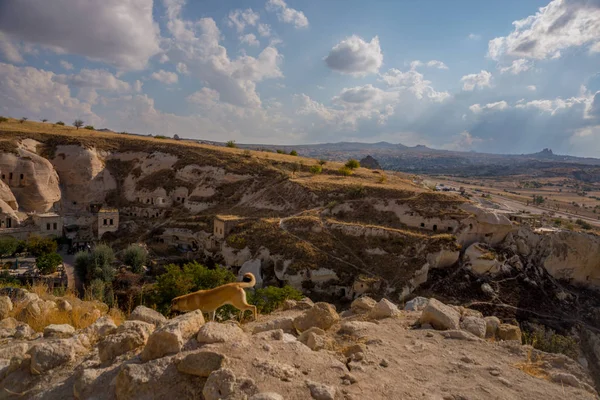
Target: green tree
8,245
293,153
352,164
47,263
345,171
3,119
78,123
295,167
537,200
89,127
316,169
97,264
38,245
271,298
23,119
60,123
135,256
231,143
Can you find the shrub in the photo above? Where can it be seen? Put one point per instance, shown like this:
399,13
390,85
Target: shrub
44,120
322,162
247,154
293,153
280,151
135,256
345,171
271,298
160,137
352,164
96,264
47,263
548,340
78,123
8,245
38,245
235,241
382,179
60,123
357,191
23,119
90,127
583,224
316,169
295,167
231,143
3,119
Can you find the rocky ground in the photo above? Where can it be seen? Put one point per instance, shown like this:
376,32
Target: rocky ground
374,350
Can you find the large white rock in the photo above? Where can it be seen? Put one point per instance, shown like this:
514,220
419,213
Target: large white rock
170,338
362,304
53,353
482,260
142,313
384,309
322,315
201,363
440,316
59,331
284,323
6,307
416,304
129,336
474,325
100,328
215,332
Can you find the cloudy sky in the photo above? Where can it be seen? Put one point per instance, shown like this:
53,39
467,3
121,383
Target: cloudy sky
508,76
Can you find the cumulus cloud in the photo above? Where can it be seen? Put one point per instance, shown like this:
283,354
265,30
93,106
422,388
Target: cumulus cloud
240,19
414,82
480,80
517,66
66,65
27,91
250,39
165,77
95,79
561,25
553,106
287,14
474,36
182,68
433,64
497,106
197,44
462,142
356,57
205,97
532,88
264,30
119,32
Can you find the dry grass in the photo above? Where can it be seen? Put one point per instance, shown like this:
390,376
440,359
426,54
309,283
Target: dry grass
83,314
533,367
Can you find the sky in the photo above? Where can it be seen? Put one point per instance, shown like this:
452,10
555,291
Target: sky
510,76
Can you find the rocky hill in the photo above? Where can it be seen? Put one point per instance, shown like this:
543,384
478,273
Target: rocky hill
374,350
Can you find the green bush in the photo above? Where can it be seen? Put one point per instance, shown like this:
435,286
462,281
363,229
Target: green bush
548,340
3,119
271,298
316,169
135,256
90,127
8,245
231,143
236,241
279,151
47,263
293,153
37,245
352,164
322,162
583,224
345,171
60,123
97,264
160,137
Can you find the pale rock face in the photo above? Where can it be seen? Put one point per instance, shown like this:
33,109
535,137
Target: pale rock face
223,384
485,226
142,313
254,267
129,336
303,338
320,391
6,307
491,326
416,304
83,176
384,309
440,316
482,260
169,339
474,325
322,315
14,350
215,332
38,190
443,259
508,332
284,323
7,196
60,331
100,328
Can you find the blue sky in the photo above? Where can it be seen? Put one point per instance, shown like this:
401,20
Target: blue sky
494,76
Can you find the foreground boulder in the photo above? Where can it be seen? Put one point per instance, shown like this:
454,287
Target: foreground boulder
223,384
169,338
491,326
284,323
59,331
100,328
215,332
384,309
474,325
362,304
322,315
508,332
202,363
440,316
129,336
53,353
6,307
416,304
142,313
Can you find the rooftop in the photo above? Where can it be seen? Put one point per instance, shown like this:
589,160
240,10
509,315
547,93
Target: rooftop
228,217
48,215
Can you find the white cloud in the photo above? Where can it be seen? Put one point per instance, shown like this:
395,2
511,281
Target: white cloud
137,86
163,58
10,49
480,80
182,69
34,93
287,14
119,32
250,39
517,66
197,44
205,97
553,106
498,106
433,64
240,19
462,142
264,30
165,77
356,57
531,88
66,65
94,79
560,25
474,36
414,82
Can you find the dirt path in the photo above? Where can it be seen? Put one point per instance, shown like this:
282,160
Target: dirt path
74,283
